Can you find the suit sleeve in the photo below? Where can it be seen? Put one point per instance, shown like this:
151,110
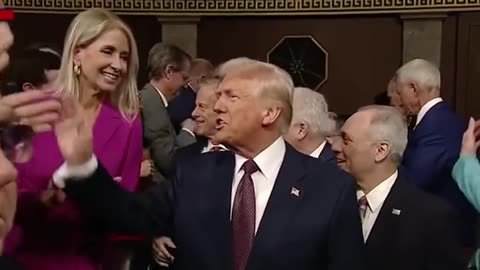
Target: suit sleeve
133,157
426,163
346,246
184,138
466,173
444,251
158,131
120,211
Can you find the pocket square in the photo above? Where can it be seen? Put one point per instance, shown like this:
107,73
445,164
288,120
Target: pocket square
396,211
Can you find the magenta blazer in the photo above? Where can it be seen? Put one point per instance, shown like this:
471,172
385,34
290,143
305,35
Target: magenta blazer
64,237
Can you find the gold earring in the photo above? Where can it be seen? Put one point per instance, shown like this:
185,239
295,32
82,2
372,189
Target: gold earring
77,70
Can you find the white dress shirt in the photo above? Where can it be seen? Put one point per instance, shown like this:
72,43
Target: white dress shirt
165,102
375,198
164,99
210,145
425,108
269,162
316,153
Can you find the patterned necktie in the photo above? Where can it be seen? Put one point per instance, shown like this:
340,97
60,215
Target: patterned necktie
362,207
243,217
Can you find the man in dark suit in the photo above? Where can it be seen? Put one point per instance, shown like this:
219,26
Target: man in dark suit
403,227
435,140
183,104
205,120
168,70
282,210
310,125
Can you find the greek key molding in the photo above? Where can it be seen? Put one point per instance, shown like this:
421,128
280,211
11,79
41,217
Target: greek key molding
244,7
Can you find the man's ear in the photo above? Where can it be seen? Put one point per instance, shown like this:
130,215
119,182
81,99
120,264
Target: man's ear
28,86
382,151
270,115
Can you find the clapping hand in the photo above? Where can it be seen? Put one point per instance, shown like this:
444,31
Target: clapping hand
73,135
470,141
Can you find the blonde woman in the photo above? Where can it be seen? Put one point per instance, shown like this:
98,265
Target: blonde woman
99,67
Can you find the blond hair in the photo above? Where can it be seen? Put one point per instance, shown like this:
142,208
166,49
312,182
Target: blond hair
274,83
85,28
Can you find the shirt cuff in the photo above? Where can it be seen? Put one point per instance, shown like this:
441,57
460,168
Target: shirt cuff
77,172
191,133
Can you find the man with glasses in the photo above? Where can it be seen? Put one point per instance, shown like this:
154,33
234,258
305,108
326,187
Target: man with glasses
168,70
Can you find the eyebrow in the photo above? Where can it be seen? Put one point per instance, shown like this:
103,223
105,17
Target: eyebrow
345,135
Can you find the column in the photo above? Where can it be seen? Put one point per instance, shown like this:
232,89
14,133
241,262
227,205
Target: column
422,37
180,31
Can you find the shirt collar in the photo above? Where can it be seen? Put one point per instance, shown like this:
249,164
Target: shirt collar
316,153
210,145
425,108
164,99
377,196
267,160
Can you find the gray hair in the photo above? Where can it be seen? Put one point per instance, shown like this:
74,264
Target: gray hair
422,72
391,90
388,124
311,107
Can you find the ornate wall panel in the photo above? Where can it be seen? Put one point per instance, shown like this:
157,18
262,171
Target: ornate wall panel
244,7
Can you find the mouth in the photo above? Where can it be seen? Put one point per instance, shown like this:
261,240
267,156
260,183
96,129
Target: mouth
109,76
340,160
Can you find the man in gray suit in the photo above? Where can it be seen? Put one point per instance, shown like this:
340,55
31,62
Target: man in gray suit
168,70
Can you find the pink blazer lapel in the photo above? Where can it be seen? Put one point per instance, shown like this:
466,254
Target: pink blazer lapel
108,122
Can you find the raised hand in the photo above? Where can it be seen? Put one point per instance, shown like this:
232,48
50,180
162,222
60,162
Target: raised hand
73,135
470,142
38,109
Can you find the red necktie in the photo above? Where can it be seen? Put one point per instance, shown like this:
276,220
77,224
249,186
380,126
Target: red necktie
243,217
215,148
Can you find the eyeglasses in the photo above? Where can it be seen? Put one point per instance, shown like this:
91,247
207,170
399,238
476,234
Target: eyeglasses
16,142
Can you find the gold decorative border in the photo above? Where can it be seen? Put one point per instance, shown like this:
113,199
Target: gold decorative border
316,43
244,7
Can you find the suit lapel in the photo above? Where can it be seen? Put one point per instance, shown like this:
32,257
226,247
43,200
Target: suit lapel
388,220
106,125
219,194
282,203
327,154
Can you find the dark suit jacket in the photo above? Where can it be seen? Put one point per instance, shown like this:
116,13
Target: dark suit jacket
327,155
159,134
181,107
8,264
432,150
318,229
421,237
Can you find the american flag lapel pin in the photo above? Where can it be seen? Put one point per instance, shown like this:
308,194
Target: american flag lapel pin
396,211
295,191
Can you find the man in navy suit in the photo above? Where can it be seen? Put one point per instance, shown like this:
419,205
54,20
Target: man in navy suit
262,206
403,227
310,125
435,140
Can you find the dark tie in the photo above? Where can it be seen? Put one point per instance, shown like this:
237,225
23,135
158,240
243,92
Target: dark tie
243,217
412,121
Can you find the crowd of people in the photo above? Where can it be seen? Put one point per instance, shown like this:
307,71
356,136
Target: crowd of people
223,167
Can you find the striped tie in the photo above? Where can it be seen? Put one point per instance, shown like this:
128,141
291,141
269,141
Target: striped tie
362,207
